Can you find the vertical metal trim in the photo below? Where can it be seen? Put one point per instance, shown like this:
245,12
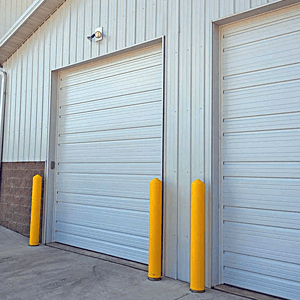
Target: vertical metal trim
163,156
214,221
2,112
220,158
49,178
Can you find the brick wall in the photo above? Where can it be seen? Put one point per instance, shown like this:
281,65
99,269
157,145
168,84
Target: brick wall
15,195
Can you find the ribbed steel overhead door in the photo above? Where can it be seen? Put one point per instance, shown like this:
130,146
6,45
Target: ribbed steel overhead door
260,153
109,148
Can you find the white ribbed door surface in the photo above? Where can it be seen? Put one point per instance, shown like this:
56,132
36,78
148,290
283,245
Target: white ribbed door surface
109,147
260,153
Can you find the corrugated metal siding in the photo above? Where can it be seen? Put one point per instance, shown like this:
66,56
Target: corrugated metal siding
10,12
187,27
261,153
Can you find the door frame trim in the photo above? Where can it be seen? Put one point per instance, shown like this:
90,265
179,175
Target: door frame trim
216,204
48,234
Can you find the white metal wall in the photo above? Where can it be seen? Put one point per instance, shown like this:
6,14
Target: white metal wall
62,40
10,11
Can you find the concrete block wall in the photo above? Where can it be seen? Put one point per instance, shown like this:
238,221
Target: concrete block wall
15,195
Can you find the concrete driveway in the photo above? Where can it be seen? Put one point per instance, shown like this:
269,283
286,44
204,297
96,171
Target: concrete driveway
48,273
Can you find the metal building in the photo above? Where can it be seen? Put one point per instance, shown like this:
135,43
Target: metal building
176,89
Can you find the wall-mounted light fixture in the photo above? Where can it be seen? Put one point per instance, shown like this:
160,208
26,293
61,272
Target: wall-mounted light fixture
97,35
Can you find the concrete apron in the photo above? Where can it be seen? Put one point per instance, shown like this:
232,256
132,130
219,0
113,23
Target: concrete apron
48,273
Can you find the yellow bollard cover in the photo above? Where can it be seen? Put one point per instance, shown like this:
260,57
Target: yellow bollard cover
35,210
155,223
197,258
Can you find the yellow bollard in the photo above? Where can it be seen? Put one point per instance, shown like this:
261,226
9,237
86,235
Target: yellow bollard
35,211
197,259
155,221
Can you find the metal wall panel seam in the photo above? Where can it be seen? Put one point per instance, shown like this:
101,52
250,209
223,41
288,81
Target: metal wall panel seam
242,5
73,32
23,106
226,8
7,17
140,17
2,110
53,42
171,150
113,26
121,30
150,19
47,93
18,107
131,24
2,19
28,102
60,38
88,30
6,132
66,37
7,127
12,111
34,96
184,137
162,18
104,24
96,4
80,31
40,100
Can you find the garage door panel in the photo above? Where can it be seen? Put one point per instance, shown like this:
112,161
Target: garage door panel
149,150
263,77
116,118
131,222
258,56
266,217
266,31
105,201
152,131
130,168
83,96
141,54
263,186
116,86
281,98
121,239
263,123
261,170
109,103
264,284
260,244
258,21
257,230
112,70
281,145
265,201
126,252
262,266
133,186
